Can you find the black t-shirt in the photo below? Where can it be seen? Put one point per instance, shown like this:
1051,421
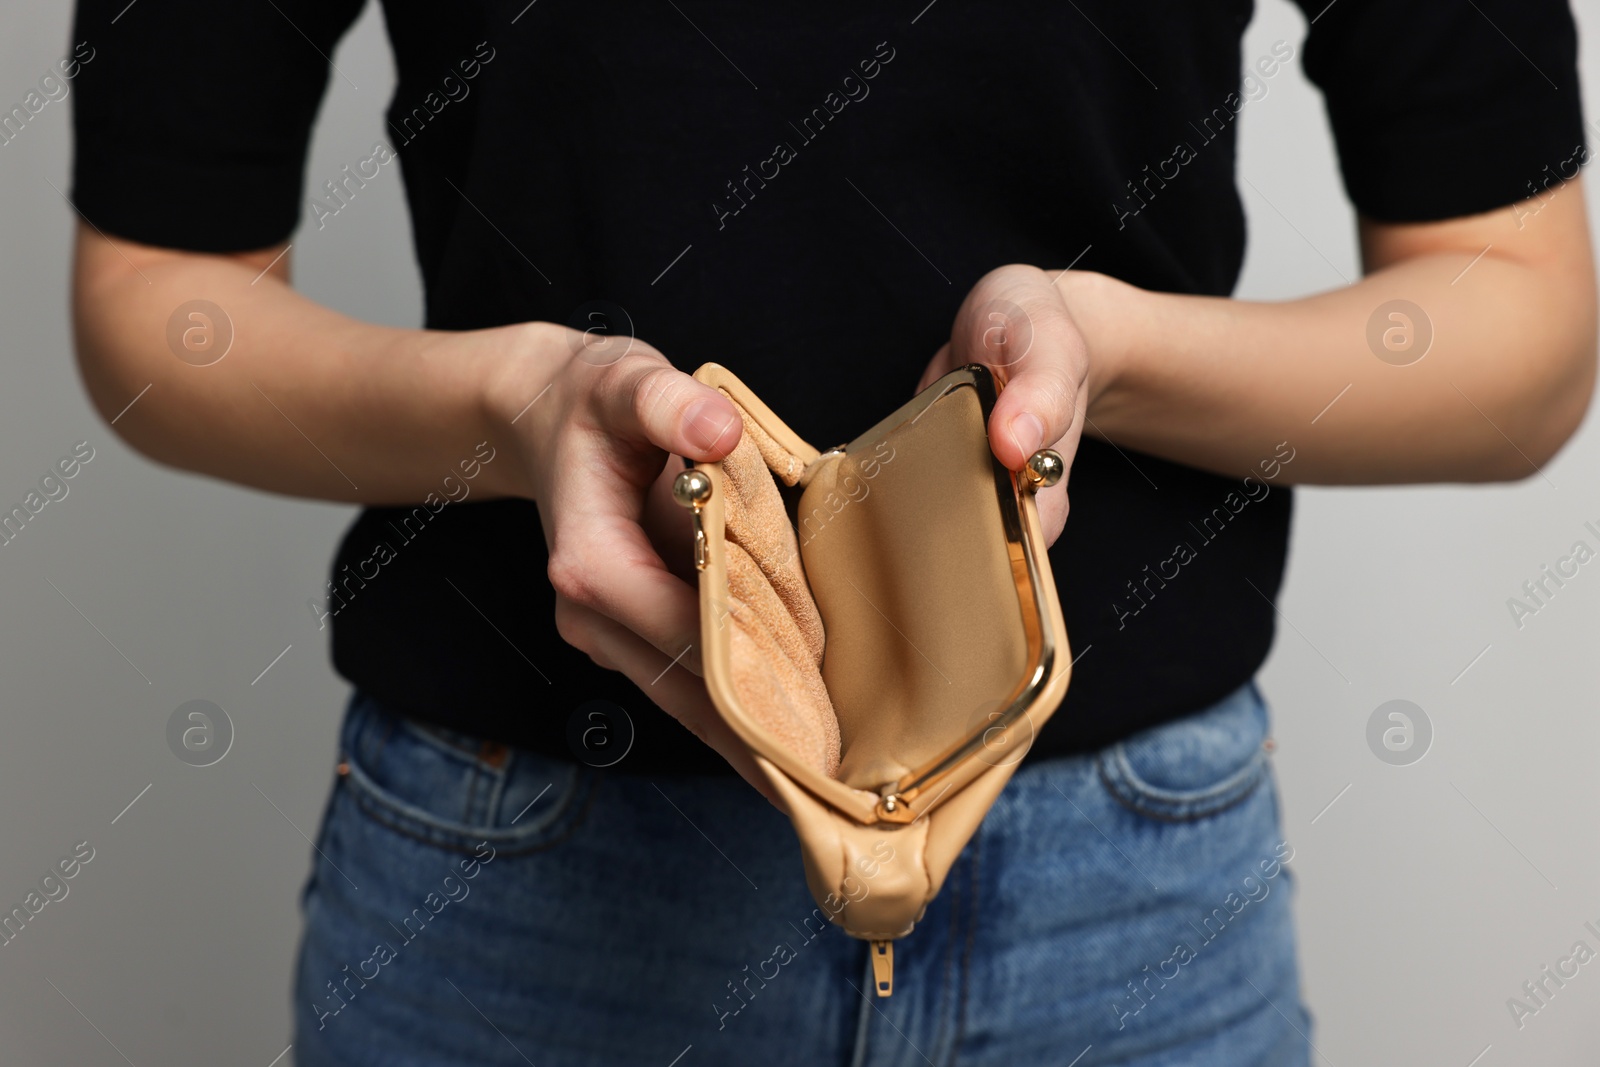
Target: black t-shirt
805,193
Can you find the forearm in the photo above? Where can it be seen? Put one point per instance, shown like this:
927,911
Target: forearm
312,403
306,401
1217,383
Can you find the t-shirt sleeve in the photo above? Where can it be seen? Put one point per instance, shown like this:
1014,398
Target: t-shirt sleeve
1442,109
192,118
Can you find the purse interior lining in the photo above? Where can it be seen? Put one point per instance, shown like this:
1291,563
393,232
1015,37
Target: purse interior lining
906,554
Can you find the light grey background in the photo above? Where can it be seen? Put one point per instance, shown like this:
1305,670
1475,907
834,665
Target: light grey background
1426,894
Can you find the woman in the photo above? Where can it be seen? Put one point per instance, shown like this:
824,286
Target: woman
536,850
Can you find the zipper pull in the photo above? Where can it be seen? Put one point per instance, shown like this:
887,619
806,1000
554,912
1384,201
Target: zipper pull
883,967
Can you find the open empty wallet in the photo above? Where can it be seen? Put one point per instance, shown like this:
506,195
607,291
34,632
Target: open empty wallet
880,626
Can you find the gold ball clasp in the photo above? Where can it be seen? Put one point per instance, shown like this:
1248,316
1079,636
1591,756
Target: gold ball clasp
691,488
1045,468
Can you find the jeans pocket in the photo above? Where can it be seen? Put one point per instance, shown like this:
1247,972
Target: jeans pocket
454,791
1195,767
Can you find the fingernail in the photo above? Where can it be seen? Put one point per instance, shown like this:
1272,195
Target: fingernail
706,422
1028,432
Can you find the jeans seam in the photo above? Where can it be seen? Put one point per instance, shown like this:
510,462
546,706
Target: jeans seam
497,788
374,727
439,737
427,735
422,824
564,821
469,814
1181,809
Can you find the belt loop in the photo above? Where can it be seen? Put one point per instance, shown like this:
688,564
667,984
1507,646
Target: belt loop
501,758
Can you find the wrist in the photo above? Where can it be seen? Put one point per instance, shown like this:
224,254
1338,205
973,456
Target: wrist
515,365
1106,311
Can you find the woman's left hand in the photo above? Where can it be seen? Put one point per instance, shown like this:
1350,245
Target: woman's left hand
1016,322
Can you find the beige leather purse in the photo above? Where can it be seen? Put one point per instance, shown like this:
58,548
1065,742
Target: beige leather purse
883,632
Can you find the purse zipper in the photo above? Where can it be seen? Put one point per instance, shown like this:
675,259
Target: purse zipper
883,967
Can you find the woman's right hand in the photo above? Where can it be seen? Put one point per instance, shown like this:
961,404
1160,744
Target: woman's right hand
312,403
595,420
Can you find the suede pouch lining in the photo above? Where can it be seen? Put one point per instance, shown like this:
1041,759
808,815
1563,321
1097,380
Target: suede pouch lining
777,637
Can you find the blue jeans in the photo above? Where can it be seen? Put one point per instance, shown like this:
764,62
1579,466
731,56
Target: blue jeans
474,905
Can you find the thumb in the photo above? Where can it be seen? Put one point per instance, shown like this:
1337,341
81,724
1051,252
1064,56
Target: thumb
1016,322
1041,404
643,398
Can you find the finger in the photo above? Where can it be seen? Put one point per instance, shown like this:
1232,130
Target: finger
643,398
999,319
601,559
1015,322
679,693
600,556
1053,501
1040,405
1053,509
668,524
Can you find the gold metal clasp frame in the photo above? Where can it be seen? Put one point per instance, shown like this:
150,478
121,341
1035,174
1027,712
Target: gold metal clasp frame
1044,469
692,488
